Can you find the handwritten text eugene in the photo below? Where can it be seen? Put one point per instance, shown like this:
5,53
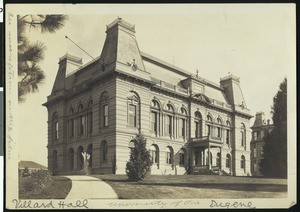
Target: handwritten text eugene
233,204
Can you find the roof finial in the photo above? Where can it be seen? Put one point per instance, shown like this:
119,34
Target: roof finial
197,73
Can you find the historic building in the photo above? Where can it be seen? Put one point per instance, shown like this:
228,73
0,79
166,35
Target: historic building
97,108
260,129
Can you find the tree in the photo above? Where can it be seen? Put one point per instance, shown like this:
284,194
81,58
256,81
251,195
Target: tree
139,164
274,162
30,74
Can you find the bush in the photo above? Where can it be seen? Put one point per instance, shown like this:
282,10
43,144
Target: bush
139,165
40,180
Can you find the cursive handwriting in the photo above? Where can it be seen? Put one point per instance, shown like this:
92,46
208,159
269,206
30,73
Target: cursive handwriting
10,77
136,204
30,204
77,204
235,204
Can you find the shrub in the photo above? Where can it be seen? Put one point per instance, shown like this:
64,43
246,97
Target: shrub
40,180
139,165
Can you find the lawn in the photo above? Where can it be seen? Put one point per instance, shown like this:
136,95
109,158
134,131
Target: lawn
58,189
196,186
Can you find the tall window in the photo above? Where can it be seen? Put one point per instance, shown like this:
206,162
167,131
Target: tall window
81,120
183,127
219,129
104,109
228,132
154,122
90,116
219,132
154,116
133,109
243,135
182,157
227,136
105,116
103,153
169,125
198,124
208,130
243,161
55,126
154,154
183,122
81,124
197,129
228,161
209,123
71,123
169,120
132,115
218,159
169,155
56,130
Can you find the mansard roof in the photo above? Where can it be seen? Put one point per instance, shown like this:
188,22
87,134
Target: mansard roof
121,54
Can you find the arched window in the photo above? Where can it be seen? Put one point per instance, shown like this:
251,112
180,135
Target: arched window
243,162
182,156
55,127
154,154
82,121
228,161
209,125
169,155
169,121
198,124
71,123
133,109
104,109
228,132
55,164
90,116
71,159
155,116
243,135
182,124
103,153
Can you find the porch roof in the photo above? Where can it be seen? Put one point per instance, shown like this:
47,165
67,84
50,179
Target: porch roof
206,141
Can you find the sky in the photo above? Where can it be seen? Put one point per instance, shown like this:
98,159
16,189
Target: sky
253,42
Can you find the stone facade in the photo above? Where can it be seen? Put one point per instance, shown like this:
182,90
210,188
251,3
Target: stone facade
188,121
260,129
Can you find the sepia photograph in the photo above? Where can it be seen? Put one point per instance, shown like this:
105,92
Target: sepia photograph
150,106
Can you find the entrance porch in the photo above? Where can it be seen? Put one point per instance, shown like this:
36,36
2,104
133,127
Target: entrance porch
202,149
